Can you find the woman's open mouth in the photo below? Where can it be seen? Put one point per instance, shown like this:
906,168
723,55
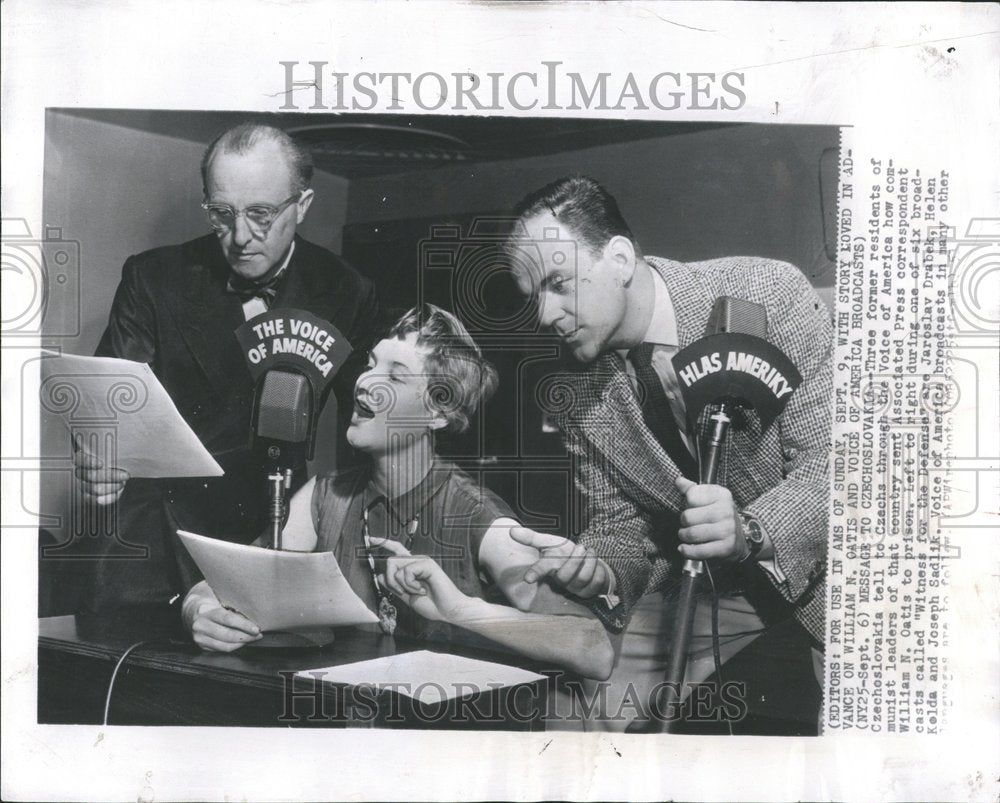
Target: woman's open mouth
362,410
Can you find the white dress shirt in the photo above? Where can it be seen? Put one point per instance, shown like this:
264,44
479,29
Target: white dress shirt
256,305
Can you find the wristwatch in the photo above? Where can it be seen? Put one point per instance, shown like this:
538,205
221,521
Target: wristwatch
754,536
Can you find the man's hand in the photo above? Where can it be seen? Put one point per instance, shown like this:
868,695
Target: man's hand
216,628
573,566
100,485
420,582
710,525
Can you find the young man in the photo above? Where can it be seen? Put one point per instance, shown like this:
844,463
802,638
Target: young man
623,315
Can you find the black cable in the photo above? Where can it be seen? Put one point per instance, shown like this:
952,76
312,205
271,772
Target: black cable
758,630
737,634
716,650
716,638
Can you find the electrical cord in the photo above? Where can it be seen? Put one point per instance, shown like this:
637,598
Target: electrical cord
716,650
716,638
121,661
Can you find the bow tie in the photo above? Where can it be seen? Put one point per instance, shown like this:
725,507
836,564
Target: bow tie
244,289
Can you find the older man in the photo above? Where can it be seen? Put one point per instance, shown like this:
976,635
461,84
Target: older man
177,308
624,315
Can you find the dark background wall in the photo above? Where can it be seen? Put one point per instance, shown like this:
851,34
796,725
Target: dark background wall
689,196
118,190
122,181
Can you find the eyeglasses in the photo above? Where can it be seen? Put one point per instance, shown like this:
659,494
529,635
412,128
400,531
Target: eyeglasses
260,217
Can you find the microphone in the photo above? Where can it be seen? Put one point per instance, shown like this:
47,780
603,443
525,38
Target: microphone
283,435
733,365
283,430
734,316
738,316
293,357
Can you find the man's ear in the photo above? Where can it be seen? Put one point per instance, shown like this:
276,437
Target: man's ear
619,252
304,203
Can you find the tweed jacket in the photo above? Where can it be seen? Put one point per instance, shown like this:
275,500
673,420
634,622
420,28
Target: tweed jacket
780,475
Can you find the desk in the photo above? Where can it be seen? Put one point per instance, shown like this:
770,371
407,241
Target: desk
170,681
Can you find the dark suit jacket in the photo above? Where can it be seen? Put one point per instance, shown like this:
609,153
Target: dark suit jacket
171,310
780,475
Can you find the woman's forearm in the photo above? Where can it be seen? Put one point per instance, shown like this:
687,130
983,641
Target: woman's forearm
575,642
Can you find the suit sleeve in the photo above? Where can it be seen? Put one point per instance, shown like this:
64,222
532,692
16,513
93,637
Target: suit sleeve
794,513
614,527
131,330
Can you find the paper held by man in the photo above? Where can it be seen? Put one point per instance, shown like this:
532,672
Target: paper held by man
248,579
125,402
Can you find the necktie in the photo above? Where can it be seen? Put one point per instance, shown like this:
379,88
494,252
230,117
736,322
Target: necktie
244,289
657,414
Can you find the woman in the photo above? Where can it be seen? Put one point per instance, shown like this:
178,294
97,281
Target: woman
418,540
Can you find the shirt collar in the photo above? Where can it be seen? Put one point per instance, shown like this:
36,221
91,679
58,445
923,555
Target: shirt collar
662,329
284,265
409,505
663,326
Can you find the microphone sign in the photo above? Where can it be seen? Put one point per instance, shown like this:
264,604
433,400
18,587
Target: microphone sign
735,367
746,362
293,338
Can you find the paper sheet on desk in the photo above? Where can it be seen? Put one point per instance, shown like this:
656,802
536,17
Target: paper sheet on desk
125,398
278,590
428,677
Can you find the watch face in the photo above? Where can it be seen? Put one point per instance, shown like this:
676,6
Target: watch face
754,532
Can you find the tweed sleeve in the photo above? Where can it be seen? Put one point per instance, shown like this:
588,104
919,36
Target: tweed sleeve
794,513
613,526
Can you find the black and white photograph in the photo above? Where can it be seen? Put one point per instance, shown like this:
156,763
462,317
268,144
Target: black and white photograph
483,459
453,400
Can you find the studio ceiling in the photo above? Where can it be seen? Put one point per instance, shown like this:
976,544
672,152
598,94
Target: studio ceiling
360,145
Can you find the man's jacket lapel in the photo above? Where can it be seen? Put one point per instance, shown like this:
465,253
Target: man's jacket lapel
614,419
207,317
693,301
614,425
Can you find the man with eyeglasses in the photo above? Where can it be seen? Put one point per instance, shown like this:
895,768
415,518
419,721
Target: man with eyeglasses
177,308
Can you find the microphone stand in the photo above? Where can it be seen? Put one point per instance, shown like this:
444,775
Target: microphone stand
690,574
278,484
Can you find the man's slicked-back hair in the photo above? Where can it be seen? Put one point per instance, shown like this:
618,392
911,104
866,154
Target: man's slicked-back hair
580,204
245,136
459,378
